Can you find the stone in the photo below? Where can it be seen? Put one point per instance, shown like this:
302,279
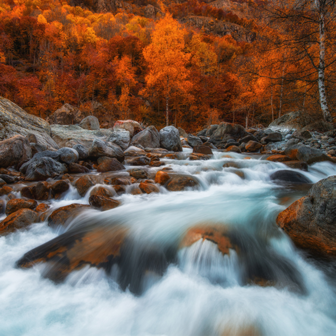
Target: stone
100,148
117,181
162,177
102,191
43,168
129,125
138,173
247,138
42,207
41,141
210,130
8,178
296,165
278,158
303,135
103,203
40,191
233,149
83,184
58,188
18,220
179,182
289,120
75,168
148,138
194,141
306,154
226,131
182,132
15,121
253,146
311,221
67,115
289,176
18,203
110,164
120,189
148,188
138,161
68,155
14,151
272,137
121,137
136,191
319,126
199,156
63,215
134,151
170,139
82,151
5,190
2,182
90,123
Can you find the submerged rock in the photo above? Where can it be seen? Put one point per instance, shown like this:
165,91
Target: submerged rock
103,203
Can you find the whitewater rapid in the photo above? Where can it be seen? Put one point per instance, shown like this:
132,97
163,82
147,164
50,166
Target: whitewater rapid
202,292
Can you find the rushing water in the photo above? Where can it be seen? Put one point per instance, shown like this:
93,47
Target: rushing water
201,292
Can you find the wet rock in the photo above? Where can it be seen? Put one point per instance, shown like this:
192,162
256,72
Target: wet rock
68,155
41,191
138,161
43,168
82,151
227,130
18,204
63,215
18,220
289,176
306,154
58,188
311,221
182,132
148,188
133,127
110,164
136,191
272,137
253,146
155,163
179,182
83,184
170,139
148,138
75,168
120,137
161,177
103,203
2,182
278,158
90,123
134,151
117,181
14,151
8,178
138,173
199,156
100,148
194,141
101,191
42,207
233,149
296,165
5,190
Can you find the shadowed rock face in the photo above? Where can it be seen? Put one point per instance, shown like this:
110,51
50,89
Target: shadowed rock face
311,221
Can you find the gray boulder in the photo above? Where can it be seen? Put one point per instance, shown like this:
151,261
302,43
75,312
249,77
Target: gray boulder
148,138
210,130
83,153
306,154
90,123
68,155
44,168
272,137
14,151
194,141
291,120
228,131
121,137
170,139
100,148
41,141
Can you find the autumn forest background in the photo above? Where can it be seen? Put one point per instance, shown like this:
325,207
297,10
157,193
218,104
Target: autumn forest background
239,61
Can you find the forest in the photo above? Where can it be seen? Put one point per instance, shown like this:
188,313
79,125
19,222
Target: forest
186,63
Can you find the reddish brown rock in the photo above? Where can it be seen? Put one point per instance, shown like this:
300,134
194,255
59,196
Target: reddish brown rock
18,220
110,164
103,203
138,173
156,164
2,206
253,146
83,184
296,164
40,191
42,207
5,190
136,191
138,161
172,156
19,203
119,189
148,188
58,188
233,149
101,191
161,177
202,149
64,214
179,182
198,156
117,181
75,168
278,158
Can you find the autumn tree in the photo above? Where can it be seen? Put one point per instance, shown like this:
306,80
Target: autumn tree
167,60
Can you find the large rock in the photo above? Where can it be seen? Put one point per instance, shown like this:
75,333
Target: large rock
83,184
16,204
103,203
272,137
43,168
319,126
18,220
179,182
182,132
68,155
63,215
14,151
120,137
100,148
253,146
15,121
170,139
306,154
289,120
210,130
129,125
67,115
148,138
311,221
289,176
228,131
110,164
42,141
83,152
90,123
194,141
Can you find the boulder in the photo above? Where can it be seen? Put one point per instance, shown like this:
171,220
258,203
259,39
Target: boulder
210,130
289,176
233,149
138,173
2,182
134,151
103,203
18,220
100,148
129,125
90,123
272,137
83,184
58,188
194,141
14,151
228,131
296,165
5,190
148,138
278,158
311,221
16,204
63,215
203,149
179,182
247,138
68,155
182,132
83,152
41,141
101,191
67,115
148,188
170,139
40,191
253,146
15,121
43,168
162,177
117,181
138,161
319,126
110,164
306,154
75,168
303,134
289,120
120,137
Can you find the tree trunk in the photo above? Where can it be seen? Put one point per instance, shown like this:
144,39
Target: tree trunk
321,66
